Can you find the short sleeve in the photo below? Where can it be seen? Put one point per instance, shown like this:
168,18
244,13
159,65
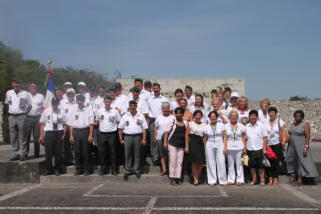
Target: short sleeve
28,99
157,122
121,123
242,128
118,118
282,123
264,131
144,125
6,101
223,127
43,117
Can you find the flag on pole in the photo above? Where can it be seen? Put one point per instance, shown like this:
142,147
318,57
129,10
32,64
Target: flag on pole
50,90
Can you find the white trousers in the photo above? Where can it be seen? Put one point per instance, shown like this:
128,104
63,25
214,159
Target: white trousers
215,165
234,157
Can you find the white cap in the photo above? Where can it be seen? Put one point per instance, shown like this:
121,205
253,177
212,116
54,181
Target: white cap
81,83
70,90
67,83
235,94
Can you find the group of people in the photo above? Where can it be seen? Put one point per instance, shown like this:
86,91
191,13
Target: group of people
108,128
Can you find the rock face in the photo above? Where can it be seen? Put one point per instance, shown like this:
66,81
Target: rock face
311,109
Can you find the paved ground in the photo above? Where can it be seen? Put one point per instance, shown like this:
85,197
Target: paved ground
157,198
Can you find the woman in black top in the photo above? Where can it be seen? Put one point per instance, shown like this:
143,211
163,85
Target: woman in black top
175,143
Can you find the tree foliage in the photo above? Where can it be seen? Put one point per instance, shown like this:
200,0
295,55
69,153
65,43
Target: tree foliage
29,71
298,98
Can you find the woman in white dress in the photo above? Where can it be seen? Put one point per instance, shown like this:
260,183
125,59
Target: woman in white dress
215,140
243,110
236,146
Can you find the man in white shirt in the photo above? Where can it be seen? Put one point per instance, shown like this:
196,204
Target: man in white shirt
120,99
256,135
133,125
190,98
18,104
154,109
67,85
32,120
107,119
142,106
143,95
53,124
81,135
82,89
99,102
66,106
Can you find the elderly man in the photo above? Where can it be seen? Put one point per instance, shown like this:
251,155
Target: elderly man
82,89
154,109
18,103
133,125
67,85
32,120
81,135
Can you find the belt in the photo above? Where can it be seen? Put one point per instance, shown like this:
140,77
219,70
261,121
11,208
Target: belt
33,116
114,132
133,135
16,115
80,129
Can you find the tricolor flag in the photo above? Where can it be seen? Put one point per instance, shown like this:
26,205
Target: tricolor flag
50,90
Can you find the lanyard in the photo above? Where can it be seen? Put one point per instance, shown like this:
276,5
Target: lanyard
234,132
92,103
214,130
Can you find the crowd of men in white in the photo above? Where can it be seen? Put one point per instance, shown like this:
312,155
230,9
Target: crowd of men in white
124,130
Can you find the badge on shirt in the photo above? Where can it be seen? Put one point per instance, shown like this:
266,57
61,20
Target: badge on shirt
127,123
87,105
139,122
117,109
48,117
111,119
102,117
76,117
66,110
60,121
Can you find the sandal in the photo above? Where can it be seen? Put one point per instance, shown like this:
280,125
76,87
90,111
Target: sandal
252,183
262,183
163,173
239,184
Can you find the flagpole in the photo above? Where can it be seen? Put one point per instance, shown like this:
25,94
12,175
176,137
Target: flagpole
49,64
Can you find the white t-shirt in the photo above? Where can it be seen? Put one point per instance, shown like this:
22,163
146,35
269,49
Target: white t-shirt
255,135
197,129
37,104
273,132
162,123
215,135
155,105
174,105
234,137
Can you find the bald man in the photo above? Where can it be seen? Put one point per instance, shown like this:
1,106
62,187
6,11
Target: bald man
31,124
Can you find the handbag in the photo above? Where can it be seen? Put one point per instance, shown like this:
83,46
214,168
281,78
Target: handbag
283,134
270,154
245,160
266,162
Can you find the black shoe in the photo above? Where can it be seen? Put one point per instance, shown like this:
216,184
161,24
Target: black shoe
14,158
86,173
48,172
138,175
23,158
78,172
57,173
114,172
126,175
102,171
36,156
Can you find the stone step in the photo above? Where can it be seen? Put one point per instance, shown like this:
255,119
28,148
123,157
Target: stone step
146,170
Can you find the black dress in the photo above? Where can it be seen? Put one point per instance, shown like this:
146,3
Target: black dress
196,149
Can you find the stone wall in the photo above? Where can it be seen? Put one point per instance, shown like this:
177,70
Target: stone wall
312,110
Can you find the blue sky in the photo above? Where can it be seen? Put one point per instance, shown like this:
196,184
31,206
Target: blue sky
274,45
